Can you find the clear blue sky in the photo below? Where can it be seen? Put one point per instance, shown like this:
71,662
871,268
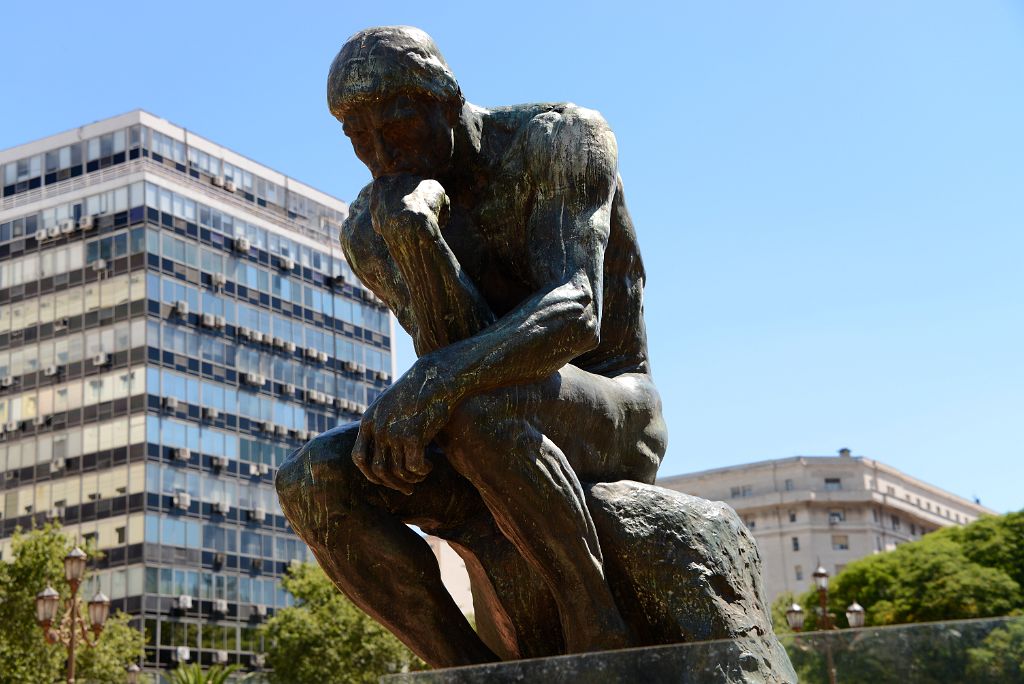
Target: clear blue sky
829,195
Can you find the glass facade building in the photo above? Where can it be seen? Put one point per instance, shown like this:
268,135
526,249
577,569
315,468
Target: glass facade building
174,320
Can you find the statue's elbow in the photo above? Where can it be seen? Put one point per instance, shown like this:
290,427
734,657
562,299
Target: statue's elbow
589,329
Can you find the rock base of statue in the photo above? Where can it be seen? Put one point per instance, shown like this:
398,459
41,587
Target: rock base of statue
684,571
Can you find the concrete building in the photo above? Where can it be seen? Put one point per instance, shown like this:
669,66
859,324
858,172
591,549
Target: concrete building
174,320
831,510
453,574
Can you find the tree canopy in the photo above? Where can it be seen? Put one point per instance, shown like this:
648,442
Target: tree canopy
326,638
25,657
955,573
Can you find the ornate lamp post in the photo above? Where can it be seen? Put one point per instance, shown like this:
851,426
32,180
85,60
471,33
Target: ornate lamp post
72,625
854,615
821,581
133,673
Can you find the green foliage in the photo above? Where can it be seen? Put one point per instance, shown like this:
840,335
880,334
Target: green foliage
37,561
193,674
1000,658
325,638
988,650
952,574
119,645
25,657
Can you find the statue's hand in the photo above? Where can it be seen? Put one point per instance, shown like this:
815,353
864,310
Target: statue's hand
400,204
398,426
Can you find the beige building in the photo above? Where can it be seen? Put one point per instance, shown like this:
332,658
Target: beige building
453,574
807,510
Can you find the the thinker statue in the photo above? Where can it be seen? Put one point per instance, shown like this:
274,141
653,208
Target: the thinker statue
501,241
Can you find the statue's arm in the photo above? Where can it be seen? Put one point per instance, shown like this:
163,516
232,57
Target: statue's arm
570,175
367,256
571,163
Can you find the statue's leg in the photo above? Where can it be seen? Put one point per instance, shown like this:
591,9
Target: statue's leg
356,531
527,448
515,614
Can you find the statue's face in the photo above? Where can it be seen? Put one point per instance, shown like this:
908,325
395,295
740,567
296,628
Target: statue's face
401,134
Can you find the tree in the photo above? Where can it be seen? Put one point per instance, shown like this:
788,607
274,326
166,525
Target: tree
193,674
25,657
952,574
325,638
1000,657
958,573
120,645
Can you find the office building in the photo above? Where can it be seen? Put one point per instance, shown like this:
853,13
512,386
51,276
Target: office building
830,510
174,319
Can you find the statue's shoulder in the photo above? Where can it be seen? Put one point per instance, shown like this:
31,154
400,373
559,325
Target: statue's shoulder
558,138
566,118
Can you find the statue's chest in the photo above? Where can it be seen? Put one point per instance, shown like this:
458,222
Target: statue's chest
489,242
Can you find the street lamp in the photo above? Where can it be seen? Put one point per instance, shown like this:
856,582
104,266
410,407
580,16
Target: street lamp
795,617
820,576
133,674
821,581
74,566
72,626
855,615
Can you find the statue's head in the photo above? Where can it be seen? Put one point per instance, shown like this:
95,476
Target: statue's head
397,100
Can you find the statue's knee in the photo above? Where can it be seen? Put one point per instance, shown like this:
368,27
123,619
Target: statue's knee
486,423
318,468
475,420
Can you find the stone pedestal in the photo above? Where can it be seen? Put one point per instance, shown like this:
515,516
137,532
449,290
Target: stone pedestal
711,662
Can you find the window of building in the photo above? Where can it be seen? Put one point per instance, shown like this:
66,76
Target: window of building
890,490
874,514
799,572
792,516
836,516
840,542
796,543
737,492
789,485
833,484
913,529
119,531
895,522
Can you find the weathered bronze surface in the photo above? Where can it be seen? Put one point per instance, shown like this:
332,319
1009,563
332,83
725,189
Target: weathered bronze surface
501,241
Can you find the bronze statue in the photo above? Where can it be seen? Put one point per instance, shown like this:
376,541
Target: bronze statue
501,240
